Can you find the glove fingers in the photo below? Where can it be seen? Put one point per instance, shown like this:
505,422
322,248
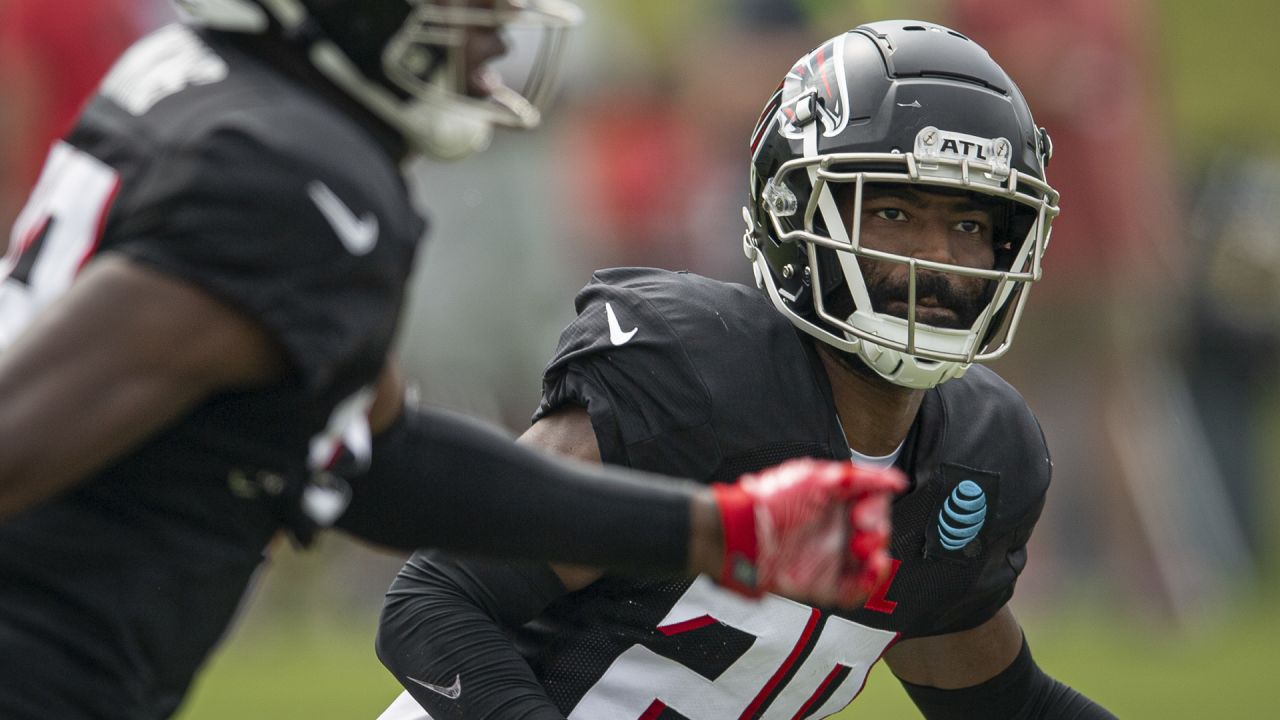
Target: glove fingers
870,513
869,533
859,580
874,571
819,529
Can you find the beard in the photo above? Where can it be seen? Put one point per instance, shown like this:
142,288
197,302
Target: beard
965,301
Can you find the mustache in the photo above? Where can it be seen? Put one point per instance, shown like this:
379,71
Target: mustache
949,294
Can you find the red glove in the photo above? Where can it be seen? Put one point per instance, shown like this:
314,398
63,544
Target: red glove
812,530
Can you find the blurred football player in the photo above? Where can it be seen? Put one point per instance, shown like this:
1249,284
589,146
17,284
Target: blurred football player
195,314
898,215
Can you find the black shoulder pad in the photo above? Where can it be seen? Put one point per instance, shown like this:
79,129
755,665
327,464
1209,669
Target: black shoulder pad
989,428
681,372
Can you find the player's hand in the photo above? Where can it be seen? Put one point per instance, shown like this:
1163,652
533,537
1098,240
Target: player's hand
811,530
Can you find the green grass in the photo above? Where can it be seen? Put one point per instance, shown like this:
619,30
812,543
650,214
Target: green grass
291,672
317,670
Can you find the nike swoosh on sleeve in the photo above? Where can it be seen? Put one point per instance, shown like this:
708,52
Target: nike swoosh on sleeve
358,235
616,335
453,692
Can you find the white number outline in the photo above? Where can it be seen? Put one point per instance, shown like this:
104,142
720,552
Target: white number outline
639,682
67,212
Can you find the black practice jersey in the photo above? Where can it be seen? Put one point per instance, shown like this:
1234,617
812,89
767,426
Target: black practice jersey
693,377
203,162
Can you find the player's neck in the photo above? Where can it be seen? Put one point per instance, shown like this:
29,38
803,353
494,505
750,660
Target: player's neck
875,413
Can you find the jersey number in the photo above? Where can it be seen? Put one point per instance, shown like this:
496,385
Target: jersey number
641,683
54,235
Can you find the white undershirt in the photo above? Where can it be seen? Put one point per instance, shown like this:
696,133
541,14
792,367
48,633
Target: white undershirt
878,461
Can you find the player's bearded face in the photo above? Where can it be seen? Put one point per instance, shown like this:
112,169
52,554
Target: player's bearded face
946,301
945,226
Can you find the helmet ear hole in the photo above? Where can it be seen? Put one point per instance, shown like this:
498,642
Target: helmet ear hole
789,265
833,283
1010,232
1002,324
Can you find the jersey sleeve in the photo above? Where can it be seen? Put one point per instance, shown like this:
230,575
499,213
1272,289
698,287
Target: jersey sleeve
647,402
315,252
1005,453
690,376
1005,557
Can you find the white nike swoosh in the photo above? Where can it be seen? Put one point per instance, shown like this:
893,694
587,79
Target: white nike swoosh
453,692
616,336
358,234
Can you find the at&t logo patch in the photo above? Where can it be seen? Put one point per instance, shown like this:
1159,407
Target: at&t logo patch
962,515
966,500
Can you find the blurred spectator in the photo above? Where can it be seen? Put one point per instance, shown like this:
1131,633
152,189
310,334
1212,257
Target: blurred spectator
1233,343
1098,366
52,54
658,148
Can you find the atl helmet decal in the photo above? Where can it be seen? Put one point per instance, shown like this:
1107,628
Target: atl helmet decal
819,74
962,515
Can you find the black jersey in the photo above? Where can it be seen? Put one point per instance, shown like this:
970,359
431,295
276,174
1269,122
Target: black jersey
197,159
693,377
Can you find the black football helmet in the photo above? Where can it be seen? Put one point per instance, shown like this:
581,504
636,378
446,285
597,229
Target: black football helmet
407,60
894,102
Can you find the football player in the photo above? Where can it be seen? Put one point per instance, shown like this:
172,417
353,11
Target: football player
898,215
195,314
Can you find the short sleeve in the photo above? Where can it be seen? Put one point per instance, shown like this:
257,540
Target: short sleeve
1006,556
647,401
993,441
308,250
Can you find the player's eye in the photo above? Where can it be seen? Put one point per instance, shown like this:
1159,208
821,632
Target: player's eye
969,227
891,213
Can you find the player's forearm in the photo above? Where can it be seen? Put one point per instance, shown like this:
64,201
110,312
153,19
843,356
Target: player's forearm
441,636
478,492
706,536
1021,692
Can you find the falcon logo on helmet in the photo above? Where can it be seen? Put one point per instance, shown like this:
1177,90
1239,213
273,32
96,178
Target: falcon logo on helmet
816,89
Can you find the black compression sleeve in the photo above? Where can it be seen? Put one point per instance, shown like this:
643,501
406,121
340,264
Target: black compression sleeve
442,480
1021,692
442,621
